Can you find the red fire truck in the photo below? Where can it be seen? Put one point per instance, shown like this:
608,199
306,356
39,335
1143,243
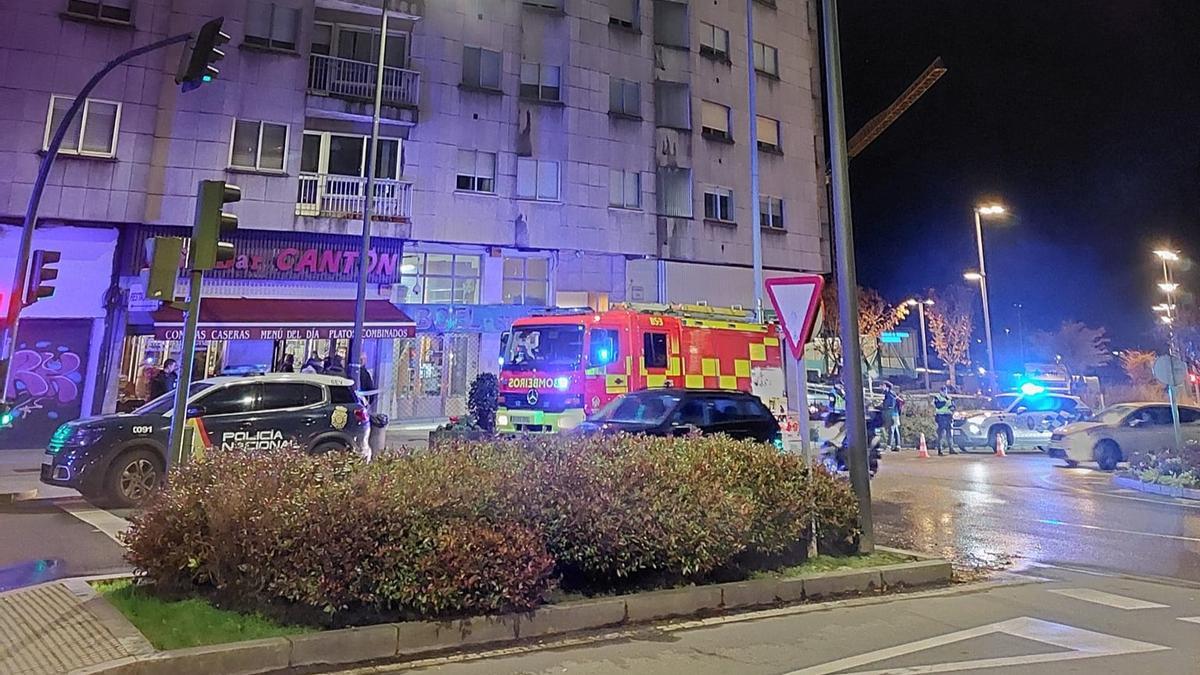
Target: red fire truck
559,367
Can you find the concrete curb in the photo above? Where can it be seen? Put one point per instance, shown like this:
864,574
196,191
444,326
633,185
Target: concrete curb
11,497
1156,489
401,641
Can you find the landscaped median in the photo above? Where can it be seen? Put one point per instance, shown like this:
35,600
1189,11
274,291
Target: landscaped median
1170,473
473,544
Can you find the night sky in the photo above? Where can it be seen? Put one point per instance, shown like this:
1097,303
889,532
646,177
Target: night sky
1082,117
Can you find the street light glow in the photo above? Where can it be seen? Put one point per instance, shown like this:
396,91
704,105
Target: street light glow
972,276
991,209
1165,319
1168,287
1167,254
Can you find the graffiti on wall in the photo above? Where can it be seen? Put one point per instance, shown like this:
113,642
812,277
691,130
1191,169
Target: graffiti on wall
46,377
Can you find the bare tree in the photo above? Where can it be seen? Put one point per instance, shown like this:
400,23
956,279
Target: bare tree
875,317
1138,365
951,322
1076,347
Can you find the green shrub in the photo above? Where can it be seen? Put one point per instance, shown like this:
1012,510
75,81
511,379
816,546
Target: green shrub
475,527
916,420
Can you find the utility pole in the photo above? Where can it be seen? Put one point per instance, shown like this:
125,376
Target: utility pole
354,367
860,478
987,317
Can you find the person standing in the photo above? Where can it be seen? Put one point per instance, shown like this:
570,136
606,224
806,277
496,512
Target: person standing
165,379
366,383
891,417
288,364
943,415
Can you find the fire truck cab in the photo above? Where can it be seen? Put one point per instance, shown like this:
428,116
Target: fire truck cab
557,368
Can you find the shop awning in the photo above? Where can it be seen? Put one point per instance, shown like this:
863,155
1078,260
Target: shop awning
270,319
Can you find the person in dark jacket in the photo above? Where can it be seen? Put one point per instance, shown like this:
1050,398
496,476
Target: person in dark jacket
943,414
288,364
164,380
336,365
891,417
366,383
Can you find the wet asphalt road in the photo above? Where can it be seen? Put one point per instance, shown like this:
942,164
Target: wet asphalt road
986,511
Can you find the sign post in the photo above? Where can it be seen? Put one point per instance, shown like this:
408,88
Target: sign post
1172,371
796,301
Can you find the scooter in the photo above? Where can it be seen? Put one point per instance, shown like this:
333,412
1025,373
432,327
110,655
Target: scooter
835,447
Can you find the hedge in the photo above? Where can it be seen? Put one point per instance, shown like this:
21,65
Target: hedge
481,527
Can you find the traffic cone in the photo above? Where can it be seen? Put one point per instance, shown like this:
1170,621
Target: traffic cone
922,449
1001,444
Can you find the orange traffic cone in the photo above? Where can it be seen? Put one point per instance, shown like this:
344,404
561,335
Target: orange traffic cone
922,449
1001,445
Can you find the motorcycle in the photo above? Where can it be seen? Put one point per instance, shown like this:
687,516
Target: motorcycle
835,446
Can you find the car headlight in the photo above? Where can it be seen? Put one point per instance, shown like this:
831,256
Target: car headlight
502,420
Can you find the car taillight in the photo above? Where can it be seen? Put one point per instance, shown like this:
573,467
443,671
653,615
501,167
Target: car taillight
361,415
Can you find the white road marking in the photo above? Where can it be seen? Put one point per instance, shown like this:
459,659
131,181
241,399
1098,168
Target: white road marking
1176,537
110,525
1192,619
1080,643
1106,599
1187,504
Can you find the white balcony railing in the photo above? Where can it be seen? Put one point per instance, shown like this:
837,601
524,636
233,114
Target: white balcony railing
331,196
333,76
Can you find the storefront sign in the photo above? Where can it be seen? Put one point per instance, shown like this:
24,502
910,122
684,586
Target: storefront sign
466,318
206,334
303,256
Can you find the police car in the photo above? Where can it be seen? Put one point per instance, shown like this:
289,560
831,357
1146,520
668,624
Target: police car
1023,419
120,459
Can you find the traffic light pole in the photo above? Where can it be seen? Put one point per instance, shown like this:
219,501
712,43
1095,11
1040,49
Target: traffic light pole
16,300
856,436
187,359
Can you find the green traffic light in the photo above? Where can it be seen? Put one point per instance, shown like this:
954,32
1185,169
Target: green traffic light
207,78
6,419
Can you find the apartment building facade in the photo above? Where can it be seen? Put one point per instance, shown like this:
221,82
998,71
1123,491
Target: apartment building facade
532,154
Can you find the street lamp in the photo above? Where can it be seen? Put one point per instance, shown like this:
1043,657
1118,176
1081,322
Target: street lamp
920,305
972,276
1167,317
986,210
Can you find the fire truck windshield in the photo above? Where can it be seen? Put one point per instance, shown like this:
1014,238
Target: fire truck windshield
556,347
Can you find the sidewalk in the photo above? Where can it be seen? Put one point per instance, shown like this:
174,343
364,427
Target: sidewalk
60,627
20,477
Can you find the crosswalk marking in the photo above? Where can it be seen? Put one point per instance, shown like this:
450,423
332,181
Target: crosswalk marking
1107,599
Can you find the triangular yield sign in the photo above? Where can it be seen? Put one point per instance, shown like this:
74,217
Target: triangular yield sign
796,300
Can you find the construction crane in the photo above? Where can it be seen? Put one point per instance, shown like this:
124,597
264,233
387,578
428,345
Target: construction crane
879,123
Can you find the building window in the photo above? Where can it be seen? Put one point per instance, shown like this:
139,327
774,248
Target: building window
526,281
766,59
672,105
476,171
344,155
624,97
767,131
440,278
622,13
714,121
674,193
481,68
718,204
271,25
624,189
714,42
259,145
670,24
537,179
120,11
93,132
555,5
540,82
770,212
358,43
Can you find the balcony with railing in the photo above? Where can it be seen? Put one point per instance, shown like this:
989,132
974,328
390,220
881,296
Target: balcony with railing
355,80
330,196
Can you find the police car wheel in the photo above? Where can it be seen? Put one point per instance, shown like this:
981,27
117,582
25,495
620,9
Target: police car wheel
133,477
330,446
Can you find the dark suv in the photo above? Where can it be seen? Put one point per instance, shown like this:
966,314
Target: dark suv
667,412
119,459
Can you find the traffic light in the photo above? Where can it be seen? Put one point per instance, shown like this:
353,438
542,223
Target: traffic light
7,416
164,255
207,249
196,65
41,272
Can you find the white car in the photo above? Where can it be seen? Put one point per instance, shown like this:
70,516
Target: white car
1117,432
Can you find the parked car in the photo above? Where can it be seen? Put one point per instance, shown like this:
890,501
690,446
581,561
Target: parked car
674,412
120,459
1117,432
1022,420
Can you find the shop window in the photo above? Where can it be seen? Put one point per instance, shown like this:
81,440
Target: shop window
540,82
440,278
481,68
526,281
258,145
271,25
93,132
476,171
670,24
674,192
119,11
718,204
537,179
654,349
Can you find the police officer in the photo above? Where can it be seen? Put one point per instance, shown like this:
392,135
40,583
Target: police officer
943,414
